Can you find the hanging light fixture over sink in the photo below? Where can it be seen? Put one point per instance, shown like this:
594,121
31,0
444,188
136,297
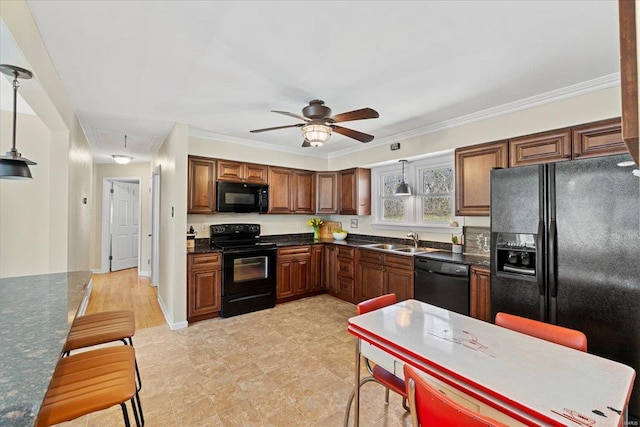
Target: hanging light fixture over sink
12,164
403,188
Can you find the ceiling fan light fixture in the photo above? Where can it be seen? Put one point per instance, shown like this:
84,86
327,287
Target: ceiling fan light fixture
122,159
403,188
316,134
13,165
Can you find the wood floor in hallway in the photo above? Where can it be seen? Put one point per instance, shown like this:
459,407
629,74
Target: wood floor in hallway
125,290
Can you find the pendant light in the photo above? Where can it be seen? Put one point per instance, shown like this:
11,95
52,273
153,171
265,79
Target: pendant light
403,188
12,164
121,158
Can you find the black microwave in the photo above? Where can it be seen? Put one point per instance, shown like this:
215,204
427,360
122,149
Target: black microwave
241,197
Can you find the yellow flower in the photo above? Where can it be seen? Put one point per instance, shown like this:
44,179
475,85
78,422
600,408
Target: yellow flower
315,222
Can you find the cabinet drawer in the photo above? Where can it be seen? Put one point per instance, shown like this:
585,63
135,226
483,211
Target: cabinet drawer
294,250
371,256
200,259
345,251
346,288
345,267
400,261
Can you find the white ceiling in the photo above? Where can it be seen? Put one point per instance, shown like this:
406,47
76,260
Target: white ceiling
136,67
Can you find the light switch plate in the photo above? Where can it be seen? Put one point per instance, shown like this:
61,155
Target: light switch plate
354,223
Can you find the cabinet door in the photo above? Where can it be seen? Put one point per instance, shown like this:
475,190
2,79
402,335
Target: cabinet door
355,192
315,271
230,171
203,286
300,277
330,273
370,279
304,200
473,171
598,139
627,16
280,190
285,277
255,174
399,282
200,191
546,147
480,294
327,192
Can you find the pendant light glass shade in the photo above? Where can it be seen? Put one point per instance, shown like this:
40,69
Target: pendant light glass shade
316,135
12,164
403,188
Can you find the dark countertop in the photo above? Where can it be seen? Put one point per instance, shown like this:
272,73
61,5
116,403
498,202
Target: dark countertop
36,313
202,247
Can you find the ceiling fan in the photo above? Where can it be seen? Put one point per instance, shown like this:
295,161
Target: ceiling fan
319,123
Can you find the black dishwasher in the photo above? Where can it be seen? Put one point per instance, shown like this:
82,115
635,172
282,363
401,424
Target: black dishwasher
442,284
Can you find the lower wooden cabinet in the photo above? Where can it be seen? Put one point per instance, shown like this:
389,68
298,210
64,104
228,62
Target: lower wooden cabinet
299,271
346,277
480,293
204,286
315,276
329,268
381,273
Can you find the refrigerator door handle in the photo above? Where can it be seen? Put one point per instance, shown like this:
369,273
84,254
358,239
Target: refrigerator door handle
540,268
553,288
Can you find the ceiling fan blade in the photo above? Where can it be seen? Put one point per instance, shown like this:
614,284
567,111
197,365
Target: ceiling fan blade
360,136
277,127
363,113
297,116
306,143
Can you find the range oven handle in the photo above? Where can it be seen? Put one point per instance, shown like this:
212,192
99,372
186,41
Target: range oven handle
253,296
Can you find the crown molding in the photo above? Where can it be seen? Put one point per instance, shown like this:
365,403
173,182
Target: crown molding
201,133
600,83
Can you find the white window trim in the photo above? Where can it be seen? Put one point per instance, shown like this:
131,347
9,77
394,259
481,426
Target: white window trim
412,205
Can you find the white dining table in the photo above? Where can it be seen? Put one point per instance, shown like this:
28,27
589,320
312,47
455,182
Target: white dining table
513,377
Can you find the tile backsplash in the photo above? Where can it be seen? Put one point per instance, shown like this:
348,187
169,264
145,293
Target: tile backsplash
477,240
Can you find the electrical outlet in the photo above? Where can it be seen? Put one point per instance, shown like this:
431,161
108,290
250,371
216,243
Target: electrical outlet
204,226
354,223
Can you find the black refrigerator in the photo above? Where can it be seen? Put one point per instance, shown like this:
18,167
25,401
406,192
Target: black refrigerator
565,249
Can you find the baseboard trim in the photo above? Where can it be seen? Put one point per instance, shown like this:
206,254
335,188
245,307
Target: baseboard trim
173,326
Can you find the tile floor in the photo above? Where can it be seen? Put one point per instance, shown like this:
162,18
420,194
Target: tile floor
287,366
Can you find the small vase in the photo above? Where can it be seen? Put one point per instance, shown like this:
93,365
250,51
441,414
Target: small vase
316,233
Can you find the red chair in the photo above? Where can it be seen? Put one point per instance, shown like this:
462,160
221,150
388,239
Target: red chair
378,373
546,331
431,407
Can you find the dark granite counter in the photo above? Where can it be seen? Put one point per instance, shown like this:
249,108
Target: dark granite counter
36,313
357,240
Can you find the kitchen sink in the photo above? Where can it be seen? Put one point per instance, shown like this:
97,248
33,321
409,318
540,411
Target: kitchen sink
387,246
399,248
411,250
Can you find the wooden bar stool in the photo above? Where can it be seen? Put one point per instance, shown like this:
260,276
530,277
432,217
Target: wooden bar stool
102,328
91,381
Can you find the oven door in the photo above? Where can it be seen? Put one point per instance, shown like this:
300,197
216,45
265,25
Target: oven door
248,270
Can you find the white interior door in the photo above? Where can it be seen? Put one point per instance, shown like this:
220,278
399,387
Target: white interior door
125,225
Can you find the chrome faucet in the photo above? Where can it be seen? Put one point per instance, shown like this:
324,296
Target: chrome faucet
414,236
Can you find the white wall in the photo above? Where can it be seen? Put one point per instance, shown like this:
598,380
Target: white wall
24,204
45,212
141,171
172,287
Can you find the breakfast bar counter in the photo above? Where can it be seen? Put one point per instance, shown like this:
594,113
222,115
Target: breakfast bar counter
502,372
36,313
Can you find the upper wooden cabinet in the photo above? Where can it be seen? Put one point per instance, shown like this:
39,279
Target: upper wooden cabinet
473,168
291,191
304,191
629,76
589,140
280,190
355,191
200,181
241,172
598,139
546,147
327,192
